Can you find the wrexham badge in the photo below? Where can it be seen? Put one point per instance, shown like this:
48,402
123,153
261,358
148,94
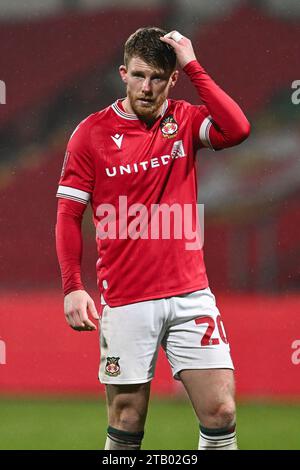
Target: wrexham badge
112,367
169,127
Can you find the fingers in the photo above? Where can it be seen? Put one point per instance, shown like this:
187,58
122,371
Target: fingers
75,322
84,316
78,319
78,306
175,35
182,46
70,320
173,38
92,309
84,323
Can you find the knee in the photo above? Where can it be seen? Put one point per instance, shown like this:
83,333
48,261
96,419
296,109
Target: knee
126,417
226,413
221,415
129,419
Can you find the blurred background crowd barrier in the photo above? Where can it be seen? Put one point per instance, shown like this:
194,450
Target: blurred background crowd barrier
59,62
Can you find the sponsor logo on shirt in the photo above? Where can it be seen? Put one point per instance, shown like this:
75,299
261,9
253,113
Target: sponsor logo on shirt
176,152
169,127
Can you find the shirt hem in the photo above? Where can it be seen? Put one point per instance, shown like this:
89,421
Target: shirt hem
156,295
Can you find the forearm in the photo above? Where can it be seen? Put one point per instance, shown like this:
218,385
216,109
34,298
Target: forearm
230,122
69,243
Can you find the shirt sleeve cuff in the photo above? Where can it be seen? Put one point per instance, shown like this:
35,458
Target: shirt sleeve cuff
73,193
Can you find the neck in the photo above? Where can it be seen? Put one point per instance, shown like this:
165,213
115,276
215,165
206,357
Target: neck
147,119
127,106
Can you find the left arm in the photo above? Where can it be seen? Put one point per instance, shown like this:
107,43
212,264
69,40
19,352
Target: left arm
230,126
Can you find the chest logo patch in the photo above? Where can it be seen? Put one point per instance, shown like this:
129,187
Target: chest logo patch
117,139
169,127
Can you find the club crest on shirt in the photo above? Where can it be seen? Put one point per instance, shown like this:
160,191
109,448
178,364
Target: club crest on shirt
112,367
169,127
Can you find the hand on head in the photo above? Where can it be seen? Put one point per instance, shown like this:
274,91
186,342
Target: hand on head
182,46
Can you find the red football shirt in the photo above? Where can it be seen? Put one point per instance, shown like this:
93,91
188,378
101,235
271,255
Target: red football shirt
112,156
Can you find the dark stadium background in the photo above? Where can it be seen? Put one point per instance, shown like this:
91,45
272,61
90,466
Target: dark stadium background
59,62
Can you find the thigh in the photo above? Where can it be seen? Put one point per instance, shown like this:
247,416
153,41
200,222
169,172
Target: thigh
132,398
129,339
196,338
208,390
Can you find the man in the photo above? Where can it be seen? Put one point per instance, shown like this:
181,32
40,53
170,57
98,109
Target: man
136,155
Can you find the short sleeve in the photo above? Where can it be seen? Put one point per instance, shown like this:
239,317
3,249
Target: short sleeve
201,125
78,174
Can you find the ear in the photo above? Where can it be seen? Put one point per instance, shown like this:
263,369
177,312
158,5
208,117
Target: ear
123,73
174,78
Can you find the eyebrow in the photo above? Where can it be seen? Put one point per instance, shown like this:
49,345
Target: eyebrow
154,74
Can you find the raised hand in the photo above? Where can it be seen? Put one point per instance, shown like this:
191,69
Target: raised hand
182,46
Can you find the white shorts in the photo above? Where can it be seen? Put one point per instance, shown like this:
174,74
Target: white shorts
188,327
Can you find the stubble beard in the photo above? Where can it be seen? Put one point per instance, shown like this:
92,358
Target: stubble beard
146,113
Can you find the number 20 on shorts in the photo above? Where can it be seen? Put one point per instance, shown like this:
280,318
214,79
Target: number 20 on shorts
207,339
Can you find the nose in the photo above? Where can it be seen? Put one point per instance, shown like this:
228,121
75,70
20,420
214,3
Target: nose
146,88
